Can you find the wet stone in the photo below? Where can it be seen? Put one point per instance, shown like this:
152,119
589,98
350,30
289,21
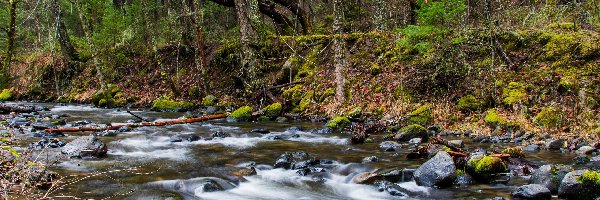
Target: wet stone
389,146
220,134
370,159
260,130
532,148
532,191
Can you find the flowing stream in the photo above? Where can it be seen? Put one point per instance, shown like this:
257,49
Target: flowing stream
171,169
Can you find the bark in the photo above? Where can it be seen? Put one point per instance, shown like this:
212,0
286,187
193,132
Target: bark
247,36
88,38
338,45
11,40
66,46
303,16
135,125
379,20
412,12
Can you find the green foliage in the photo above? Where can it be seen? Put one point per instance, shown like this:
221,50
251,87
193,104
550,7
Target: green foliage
111,97
468,103
209,100
421,115
355,112
567,84
460,172
338,122
443,12
305,102
514,152
164,103
242,113
6,94
514,93
273,110
549,117
490,165
493,118
589,178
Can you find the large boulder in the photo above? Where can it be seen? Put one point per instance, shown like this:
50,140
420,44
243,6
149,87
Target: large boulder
85,146
550,176
580,184
532,191
488,167
439,171
554,144
412,131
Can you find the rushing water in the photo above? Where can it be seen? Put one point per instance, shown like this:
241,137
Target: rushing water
174,170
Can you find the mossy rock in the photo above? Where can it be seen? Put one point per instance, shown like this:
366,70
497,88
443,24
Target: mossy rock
243,113
412,131
111,97
355,113
549,117
338,123
305,102
7,94
515,152
567,84
468,103
488,165
514,93
166,104
421,115
273,110
492,118
598,130
209,100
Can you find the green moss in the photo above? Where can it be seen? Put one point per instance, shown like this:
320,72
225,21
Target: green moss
493,118
273,110
514,93
460,172
338,123
6,94
242,113
490,165
549,117
355,112
305,102
468,103
567,84
421,115
375,69
294,94
111,97
514,152
165,103
589,177
598,130
209,100
414,129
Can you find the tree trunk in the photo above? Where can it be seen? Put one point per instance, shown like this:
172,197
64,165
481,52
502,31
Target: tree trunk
338,45
11,41
200,58
412,12
66,47
88,38
247,36
379,18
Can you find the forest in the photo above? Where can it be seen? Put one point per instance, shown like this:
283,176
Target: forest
518,81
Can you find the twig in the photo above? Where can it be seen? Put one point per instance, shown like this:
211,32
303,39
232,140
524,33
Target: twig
137,116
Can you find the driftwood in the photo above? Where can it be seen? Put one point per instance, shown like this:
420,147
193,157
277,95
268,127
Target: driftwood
7,108
137,116
135,125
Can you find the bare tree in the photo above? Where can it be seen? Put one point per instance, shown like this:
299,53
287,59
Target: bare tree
11,40
338,45
247,36
88,37
379,19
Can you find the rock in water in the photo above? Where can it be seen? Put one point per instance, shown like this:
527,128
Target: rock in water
389,146
532,191
85,146
554,144
367,178
550,176
439,171
287,159
573,188
584,150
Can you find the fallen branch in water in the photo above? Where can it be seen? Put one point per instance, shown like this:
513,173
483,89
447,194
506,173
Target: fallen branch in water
135,125
137,116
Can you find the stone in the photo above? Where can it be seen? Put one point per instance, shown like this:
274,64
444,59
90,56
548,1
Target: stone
415,141
220,134
438,171
391,188
411,131
532,148
571,188
584,150
456,143
85,146
389,146
295,128
550,176
367,178
370,159
260,130
124,129
287,159
554,144
532,191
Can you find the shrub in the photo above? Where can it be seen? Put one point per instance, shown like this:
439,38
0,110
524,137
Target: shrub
209,100
514,93
493,118
589,177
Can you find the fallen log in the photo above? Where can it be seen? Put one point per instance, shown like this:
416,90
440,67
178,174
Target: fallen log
7,108
135,125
